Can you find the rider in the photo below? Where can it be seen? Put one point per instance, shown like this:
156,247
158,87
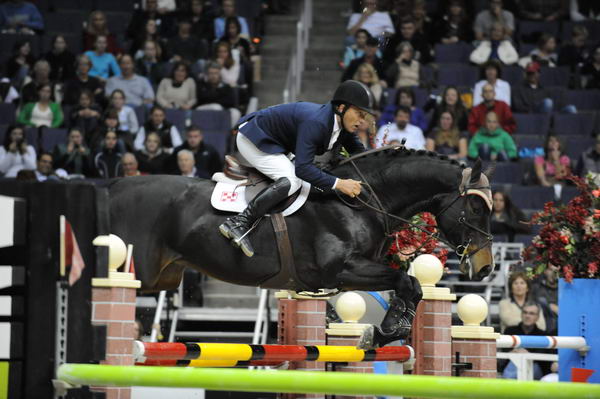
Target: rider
305,130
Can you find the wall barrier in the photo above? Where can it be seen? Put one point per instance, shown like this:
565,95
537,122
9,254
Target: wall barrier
306,382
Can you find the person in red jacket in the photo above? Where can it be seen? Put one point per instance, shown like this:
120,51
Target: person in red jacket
502,109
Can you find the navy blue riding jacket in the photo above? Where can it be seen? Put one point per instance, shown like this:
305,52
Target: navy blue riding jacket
303,129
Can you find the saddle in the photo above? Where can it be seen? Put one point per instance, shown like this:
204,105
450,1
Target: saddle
237,169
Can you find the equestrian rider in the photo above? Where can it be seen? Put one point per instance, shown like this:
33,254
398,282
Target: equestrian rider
305,130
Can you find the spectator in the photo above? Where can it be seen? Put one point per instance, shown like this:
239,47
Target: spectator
43,112
406,70
83,81
128,121
492,74
531,97
366,134
20,62
408,33
150,10
237,42
62,61
21,17
530,316
103,64
149,64
157,122
229,12
453,26
591,70
367,75
575,53
497,47
555,165
450,101
490,103
423,24
544,290
74,157
447,139
202,22
136,88
402,129
543,10
214,94
491,142
96,27
377,23
185,47
487,18
582,10
357,49
206,158
41,75
369,57
178,91
230,67
87,115
16,154
8,94
110,123
589,161
150,32
107,162
185,163
130,165
506,218
511,308
152,158
544,54
404,96
44,169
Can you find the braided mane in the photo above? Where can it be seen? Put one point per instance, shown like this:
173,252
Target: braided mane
396,151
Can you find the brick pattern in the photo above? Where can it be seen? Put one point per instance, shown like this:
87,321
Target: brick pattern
480,352
431,338
115,308
302,322
351,367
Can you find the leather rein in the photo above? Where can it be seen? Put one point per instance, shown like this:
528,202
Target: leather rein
461,249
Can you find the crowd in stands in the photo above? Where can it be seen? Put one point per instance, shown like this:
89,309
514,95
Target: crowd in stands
118,88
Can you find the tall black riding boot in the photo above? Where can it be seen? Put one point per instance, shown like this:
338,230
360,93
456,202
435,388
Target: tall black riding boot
237,227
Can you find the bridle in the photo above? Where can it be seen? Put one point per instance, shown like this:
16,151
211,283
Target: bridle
461,249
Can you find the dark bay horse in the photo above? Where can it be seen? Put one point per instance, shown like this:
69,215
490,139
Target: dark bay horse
172,225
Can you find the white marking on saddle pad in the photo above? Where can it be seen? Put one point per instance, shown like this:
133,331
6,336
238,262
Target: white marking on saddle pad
229,196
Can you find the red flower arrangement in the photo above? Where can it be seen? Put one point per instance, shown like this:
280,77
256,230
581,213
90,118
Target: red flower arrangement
570,235
410,242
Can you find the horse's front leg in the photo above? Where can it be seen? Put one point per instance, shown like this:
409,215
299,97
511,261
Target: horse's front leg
407,293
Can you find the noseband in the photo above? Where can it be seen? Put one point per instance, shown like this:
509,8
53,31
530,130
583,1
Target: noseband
461,249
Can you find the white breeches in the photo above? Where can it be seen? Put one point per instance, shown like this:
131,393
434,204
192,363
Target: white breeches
274,166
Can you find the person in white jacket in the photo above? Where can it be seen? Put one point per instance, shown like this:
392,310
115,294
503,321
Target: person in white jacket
497,48
15,153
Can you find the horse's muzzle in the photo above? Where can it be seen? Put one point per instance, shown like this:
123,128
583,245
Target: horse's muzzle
479,265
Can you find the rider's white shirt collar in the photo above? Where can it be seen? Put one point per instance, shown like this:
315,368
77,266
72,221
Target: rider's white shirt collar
336,132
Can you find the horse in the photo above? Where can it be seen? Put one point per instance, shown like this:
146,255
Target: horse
337,242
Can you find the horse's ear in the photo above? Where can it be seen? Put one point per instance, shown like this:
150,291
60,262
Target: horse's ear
476,172
489,171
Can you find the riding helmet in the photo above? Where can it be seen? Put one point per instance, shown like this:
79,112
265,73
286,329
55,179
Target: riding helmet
354,93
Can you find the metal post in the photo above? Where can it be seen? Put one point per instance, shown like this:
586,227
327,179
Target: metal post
262,304
62,307
156,322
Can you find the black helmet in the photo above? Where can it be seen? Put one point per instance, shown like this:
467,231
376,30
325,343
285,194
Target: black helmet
354,93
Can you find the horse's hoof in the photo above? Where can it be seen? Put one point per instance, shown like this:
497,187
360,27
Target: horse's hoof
367,339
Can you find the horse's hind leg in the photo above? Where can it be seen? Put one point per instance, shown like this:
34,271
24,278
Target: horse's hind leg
400,315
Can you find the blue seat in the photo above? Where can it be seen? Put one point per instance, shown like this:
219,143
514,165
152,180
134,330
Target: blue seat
524,239
568,193
176,117
214,121
31,135
584,99
531,197
577,145
457,75
574,124
118,21
453,53
140,113
7,113
525,49
529,31
219,140
508,172
557,76
57,22
529,141
533,124
513,74
8,40
51,137
2,133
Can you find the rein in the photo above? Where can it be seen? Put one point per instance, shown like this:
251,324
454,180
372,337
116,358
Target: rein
461,249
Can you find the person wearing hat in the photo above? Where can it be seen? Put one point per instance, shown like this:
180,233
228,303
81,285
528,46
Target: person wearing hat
265,139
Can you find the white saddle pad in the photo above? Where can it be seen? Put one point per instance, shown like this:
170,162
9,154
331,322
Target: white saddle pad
230,196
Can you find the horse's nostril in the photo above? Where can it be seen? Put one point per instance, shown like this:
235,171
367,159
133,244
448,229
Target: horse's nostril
483,272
